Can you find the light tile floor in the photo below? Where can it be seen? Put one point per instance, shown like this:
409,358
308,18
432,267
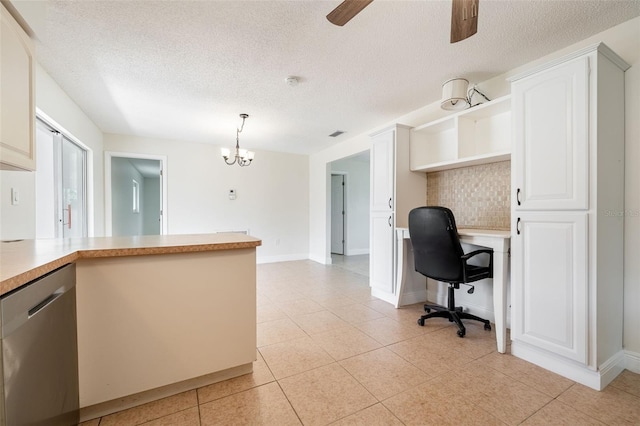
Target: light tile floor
329,353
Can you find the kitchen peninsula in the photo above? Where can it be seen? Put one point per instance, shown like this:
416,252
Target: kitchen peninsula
156,314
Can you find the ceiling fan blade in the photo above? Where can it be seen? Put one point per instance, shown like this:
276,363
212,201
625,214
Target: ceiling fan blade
464,19
346,10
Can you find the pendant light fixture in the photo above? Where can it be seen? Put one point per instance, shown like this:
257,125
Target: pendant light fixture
456,94
242,157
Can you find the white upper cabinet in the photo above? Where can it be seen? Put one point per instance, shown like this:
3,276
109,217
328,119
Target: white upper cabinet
551,118
17,96
383,171
478,135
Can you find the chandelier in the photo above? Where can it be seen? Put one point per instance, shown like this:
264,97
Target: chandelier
242,156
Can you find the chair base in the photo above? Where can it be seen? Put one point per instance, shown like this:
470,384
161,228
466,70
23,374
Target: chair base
453,314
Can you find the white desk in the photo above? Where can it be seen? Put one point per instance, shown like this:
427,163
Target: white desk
499,241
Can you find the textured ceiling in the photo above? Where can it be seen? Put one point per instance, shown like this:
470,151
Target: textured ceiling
185,69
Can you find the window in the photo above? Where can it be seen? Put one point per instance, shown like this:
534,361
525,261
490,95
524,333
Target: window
136,196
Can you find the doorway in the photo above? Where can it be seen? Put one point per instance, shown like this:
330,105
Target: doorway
352,198
135,194
61,185
337,213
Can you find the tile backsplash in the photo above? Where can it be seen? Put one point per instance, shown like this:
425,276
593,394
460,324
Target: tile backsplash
479,196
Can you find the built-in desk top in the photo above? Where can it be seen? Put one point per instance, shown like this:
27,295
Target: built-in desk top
498,240
468,232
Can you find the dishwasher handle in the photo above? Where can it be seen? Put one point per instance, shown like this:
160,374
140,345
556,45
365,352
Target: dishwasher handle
43,304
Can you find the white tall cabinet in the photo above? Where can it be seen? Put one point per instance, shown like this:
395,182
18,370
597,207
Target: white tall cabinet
395,190
568,206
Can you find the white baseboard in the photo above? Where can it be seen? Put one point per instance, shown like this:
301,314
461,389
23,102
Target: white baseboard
282,258
611,368
382,295
120,404
357,252
410,298
320,259
632,361
572,370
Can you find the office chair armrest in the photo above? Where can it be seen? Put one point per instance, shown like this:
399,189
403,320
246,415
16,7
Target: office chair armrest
469,255
465,257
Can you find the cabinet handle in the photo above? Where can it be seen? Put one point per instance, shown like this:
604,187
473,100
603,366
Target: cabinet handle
390,222
518,227
390,203
518,196
68,210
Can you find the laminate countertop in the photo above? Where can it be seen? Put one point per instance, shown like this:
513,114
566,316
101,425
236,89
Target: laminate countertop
26,260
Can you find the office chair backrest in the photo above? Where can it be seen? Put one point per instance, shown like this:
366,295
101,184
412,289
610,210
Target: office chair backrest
436,245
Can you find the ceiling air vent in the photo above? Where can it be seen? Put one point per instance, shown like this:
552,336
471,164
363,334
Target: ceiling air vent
336,133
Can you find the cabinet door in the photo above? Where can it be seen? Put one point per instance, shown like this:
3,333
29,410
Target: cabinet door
551,135
381,252
382,171
17,110
550,282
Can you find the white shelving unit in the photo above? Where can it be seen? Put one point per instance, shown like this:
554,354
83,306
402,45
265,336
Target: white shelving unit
478,135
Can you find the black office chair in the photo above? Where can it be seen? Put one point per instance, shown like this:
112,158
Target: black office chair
438,255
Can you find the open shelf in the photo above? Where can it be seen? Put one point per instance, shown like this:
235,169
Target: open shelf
478,135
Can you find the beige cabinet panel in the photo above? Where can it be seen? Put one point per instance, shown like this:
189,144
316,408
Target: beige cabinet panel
17,97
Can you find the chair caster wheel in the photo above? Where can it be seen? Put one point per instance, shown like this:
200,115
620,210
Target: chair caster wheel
461,333
487,327
421,322
427,310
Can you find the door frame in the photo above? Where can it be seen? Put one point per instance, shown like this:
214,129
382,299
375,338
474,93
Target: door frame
108,156
344,216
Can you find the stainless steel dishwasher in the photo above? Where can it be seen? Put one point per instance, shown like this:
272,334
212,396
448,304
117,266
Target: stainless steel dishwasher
40,352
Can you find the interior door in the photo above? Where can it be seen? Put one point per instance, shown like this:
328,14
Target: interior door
337,214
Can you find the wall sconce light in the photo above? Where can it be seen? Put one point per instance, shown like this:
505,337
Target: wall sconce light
242,156
456,94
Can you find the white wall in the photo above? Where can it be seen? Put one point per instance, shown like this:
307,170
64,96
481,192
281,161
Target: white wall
125,220
357,203
272,194
624,39
55,104
19,221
